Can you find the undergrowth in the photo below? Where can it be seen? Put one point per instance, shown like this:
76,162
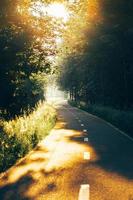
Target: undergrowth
22,134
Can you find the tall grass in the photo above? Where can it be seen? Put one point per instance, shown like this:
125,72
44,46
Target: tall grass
20,135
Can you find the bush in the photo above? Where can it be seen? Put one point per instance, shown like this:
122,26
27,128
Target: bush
22,134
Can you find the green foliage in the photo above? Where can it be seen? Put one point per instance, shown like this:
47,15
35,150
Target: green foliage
19,136
102,73
24,65
23,71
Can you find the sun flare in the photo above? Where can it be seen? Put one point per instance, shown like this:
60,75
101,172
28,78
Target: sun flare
55,10
58,10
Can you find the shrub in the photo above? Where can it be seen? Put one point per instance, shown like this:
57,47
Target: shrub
20,135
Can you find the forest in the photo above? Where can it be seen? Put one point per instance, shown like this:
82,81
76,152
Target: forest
23,58
97,69
86,47
102,72
66,99
24,70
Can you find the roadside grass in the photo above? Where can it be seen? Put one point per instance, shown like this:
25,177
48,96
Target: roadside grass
22,134
121,119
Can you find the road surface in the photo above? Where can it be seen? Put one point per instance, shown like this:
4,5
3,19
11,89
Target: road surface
81,149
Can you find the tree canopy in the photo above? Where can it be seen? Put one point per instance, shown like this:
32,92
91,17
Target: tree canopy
98,67
89,43
27,43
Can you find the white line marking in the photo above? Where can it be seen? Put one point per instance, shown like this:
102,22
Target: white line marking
111,125
86,139
86,155
84,193
85,130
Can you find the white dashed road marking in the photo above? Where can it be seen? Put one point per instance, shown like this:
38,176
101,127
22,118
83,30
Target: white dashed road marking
86,139
86,155
84,193
85,131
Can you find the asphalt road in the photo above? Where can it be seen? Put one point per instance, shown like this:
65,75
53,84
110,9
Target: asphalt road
81,149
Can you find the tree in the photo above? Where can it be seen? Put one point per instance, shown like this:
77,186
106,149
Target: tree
26,43
103,57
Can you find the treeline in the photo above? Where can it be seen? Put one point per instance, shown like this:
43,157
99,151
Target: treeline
103,72
24,66
23,63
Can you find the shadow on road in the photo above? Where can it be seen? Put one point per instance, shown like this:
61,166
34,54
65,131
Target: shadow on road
56,168
114,150
115,153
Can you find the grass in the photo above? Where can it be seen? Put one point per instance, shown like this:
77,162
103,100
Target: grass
121,119
22,134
